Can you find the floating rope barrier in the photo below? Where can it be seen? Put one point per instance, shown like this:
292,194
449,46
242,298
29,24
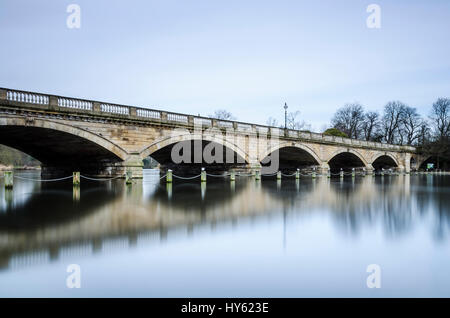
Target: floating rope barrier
219,175
269,174
244,174
43,180
186,178
100,179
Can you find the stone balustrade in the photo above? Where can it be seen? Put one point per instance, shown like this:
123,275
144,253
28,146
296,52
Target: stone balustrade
14,99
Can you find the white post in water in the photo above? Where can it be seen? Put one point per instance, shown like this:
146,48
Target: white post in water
9,179
76,179
353,172
314,173
232,176
203,175
297,174
128,177
279,175
341,174
169,176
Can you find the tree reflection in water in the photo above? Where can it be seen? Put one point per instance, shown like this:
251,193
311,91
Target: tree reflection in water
47,219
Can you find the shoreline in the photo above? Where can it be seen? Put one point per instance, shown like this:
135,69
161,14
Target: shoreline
9,168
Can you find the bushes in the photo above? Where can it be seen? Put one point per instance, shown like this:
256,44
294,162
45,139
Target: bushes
335,132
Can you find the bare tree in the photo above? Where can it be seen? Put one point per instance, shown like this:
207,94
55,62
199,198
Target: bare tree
222,114
272,122
424,133
349,119
371,125
294,123
440,115
410,125
392,120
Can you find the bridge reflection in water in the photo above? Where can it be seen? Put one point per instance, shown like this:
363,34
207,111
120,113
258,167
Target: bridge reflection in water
42,223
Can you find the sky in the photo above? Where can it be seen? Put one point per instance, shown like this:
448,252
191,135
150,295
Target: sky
248,57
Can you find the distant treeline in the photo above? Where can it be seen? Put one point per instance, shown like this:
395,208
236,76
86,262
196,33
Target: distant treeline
13,157
399,124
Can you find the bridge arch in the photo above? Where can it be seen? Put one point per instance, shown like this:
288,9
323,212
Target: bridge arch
385,160
291,155
75,131
170,140
231,155
346,159
59,145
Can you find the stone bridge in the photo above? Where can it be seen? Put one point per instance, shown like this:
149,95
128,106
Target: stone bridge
102,139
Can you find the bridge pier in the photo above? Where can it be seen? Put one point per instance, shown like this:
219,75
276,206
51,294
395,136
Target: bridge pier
133,164
369,169
402,169
323,169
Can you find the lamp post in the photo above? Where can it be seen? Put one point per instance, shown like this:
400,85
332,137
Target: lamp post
285,115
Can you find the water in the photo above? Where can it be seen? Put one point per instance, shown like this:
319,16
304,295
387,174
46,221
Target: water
250,239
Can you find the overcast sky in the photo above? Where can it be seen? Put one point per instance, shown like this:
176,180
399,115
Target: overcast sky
249,57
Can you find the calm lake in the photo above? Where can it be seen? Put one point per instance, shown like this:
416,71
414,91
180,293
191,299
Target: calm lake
311,238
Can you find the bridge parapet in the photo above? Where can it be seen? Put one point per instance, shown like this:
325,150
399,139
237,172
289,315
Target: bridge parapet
13,100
